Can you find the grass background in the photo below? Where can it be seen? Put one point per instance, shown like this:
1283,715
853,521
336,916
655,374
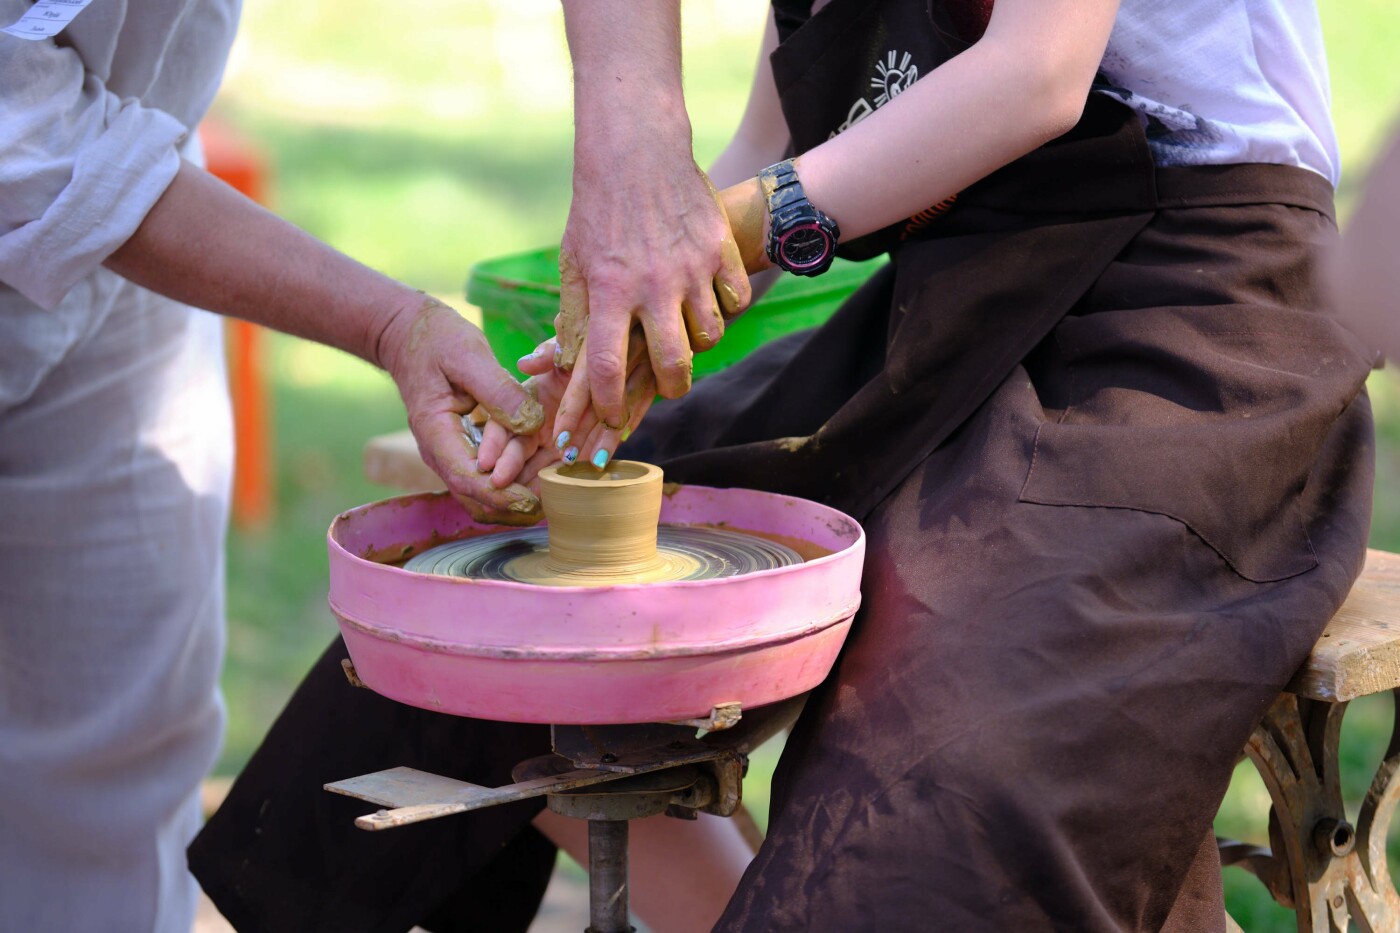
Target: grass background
424,136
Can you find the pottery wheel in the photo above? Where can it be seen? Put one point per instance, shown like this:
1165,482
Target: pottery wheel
683,552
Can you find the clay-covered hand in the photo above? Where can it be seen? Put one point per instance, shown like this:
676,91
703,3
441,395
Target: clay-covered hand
744,212
653,250
747,213
510,458
444,369
518,459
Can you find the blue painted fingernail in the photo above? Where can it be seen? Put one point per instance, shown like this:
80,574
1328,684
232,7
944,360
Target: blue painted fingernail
571,455
562,440
600,459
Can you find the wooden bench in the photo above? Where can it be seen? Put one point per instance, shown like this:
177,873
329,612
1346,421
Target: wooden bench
1332,871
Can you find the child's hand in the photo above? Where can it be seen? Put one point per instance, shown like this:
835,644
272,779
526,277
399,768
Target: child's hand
511,457
578,430
514,458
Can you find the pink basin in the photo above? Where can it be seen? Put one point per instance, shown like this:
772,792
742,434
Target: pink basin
620,654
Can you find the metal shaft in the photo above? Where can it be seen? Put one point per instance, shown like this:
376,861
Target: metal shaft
607,877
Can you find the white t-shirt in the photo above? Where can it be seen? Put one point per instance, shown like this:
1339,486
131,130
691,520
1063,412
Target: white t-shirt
1225,81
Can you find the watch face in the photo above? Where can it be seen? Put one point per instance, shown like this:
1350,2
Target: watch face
804,246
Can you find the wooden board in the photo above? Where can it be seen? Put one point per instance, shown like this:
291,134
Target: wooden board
1359,651
392,460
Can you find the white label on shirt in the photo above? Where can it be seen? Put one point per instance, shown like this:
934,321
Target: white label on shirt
45,19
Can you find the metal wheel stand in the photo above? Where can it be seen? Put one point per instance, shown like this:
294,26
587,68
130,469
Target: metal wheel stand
607,775
608,807
607,877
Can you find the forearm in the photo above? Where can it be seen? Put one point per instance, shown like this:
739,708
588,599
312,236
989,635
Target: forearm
627,63
206,245
1021,85
645,243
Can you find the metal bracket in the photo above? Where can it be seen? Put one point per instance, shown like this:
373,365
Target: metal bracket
412,796
722,716
625,749
1332,872
613,752
349,668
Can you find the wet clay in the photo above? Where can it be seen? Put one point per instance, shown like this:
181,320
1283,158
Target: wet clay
603,530
602,527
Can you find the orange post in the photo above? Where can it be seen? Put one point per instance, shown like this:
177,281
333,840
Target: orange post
238,163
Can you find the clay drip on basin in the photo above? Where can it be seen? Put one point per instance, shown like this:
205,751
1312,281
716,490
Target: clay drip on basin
603,531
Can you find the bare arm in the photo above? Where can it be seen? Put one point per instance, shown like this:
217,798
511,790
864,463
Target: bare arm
1022,84
205,244
645,242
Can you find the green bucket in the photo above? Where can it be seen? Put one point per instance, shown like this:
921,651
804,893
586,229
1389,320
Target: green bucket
519,295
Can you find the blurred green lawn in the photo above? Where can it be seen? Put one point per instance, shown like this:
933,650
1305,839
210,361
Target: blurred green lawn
425,136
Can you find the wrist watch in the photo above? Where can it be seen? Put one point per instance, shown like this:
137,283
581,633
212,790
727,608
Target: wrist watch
801,239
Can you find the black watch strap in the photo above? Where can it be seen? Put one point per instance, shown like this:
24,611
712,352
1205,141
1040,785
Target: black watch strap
788,208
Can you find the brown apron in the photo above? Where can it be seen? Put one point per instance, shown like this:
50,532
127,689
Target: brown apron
1114,463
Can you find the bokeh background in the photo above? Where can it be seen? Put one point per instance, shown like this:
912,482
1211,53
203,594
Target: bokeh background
424,136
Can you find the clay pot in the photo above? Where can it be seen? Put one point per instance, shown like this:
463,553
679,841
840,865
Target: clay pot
602,523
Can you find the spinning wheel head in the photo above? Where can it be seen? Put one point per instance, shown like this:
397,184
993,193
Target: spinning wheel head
472,641
602,525
603,531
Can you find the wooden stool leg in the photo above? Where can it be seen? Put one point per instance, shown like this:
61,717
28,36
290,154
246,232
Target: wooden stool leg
1330,872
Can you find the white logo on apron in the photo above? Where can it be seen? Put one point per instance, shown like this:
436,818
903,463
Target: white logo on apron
891,80
893,76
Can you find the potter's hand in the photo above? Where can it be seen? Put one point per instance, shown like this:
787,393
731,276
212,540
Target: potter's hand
444,368
654,252
511,458
740,206
747,213
578,428
518,459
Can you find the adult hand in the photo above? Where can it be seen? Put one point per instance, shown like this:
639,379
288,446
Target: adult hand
746,210
511,458
645,242
676,309
518,459
444,369
655,253
206,245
